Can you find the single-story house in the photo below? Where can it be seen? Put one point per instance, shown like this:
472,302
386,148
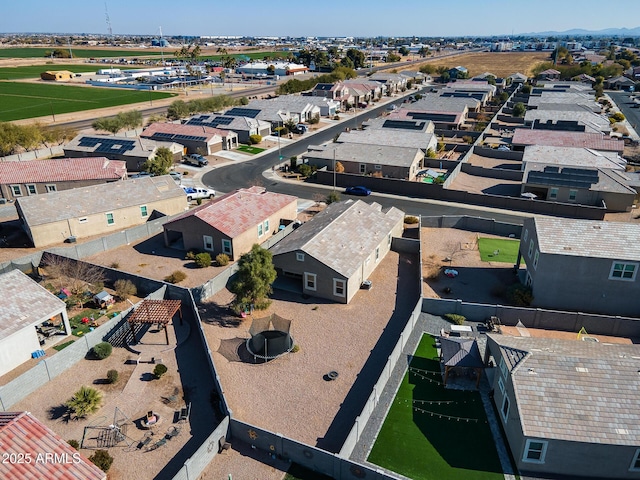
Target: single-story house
391,137
564,101
335,91
481,90
568,408
406,124
44,453
195,138
57,75
98,209
25,305
582,265
442,119
334,252
458,72
266,111
34,177
580,185
134,151
299,108
620,83
518,78
244,127
395,82
564,86
571,120
523,137
367,159
549,74
232,223
572,157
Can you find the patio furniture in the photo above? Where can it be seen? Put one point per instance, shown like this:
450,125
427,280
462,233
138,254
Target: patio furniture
158,444
172,432
145,440
184,413
151,420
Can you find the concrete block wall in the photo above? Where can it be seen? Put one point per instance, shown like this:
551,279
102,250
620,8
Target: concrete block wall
198,462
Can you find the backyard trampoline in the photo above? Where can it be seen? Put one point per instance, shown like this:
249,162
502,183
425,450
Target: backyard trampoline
270,338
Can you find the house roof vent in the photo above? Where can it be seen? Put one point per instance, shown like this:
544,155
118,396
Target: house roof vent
582,370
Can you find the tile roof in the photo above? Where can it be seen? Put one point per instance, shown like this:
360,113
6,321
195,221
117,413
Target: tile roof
390,137
80,202
592,121
588,238
433,102
24,302
592,179
573,157
20,432
62,170
561,138
139,147
343,235
576,391
184,130
461,352
368,153
240,210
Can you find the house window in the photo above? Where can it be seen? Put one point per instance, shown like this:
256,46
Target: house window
31,190
266,226
503,368
635,463
505,408
377,253
526,235
339,287
16,190
83,220
572,195
535,259
226,246
535,451
310,281
553,193
389,239
530,248
207,241
623,271
363,168
300,257
110,220
143,210
51,188
260,230
529,280
378,167
501,385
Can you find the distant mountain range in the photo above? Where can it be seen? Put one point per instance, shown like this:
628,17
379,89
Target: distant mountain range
607,32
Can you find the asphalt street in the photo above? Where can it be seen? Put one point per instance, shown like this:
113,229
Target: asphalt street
625,103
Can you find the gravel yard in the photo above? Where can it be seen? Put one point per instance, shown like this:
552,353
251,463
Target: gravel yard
493,186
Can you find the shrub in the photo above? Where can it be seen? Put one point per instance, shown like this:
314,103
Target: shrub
102,350
519,295
332,197
295,349
102,460
336,117
74,443
203,260
314,120
191,254
411,220
175,277
519,109
114,265
112,376
431,153
304,169
455,318
84,402
159,370
124,288
222,259
616,117
254,139
467,139
198,201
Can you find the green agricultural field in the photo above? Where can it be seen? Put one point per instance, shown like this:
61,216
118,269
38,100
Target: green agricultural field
39,52
29,100
251,55
432,433
498,250
34,71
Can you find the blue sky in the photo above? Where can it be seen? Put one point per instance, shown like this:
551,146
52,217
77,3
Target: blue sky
321,18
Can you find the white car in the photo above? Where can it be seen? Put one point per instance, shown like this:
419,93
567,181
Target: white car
195,193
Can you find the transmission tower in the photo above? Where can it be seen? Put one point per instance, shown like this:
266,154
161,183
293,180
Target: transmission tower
106,14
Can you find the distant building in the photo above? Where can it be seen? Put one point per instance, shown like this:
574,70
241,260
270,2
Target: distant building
57,75
272,68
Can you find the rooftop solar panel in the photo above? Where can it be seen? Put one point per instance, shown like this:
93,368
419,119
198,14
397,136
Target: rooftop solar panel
404,125
243,112
434,117
107,145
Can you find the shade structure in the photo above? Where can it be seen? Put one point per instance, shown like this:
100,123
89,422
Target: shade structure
155,311
460,353
270,337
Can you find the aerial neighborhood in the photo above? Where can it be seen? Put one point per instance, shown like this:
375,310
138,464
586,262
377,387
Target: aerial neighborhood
322,258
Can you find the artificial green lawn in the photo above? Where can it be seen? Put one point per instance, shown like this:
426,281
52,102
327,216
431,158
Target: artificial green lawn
508,249
250,150
434,441
34,71
64,345
28,100
39,52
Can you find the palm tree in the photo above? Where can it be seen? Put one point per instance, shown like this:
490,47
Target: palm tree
84,402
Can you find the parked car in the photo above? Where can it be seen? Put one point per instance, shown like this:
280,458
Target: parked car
300,128
358,190
392,107
195,193
195,159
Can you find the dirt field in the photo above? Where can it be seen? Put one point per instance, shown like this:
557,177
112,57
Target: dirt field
501,64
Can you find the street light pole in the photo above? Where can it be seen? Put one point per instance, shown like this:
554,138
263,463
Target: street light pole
334,169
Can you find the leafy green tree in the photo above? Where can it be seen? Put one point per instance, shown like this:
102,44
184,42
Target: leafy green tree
108,124
244,101
271,70
161,163
404,51
177,110
519,109
84,402
130,119
424,51
255,276
427,69
357,57
102,460
332,197
392,57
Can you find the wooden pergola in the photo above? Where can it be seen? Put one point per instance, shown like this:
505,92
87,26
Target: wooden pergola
460,353
155,311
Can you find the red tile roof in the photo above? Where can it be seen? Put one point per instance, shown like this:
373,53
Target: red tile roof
559,138
182,129
44,454
240,210
62,170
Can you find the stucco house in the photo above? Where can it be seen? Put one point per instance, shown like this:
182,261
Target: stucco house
523,137
25,305
567,407
582,265
244,127
35,177
232,223
334,252
84,212
195,138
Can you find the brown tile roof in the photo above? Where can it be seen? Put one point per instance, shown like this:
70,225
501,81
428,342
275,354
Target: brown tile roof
238,211
21,433
183,129
62,170
557,138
